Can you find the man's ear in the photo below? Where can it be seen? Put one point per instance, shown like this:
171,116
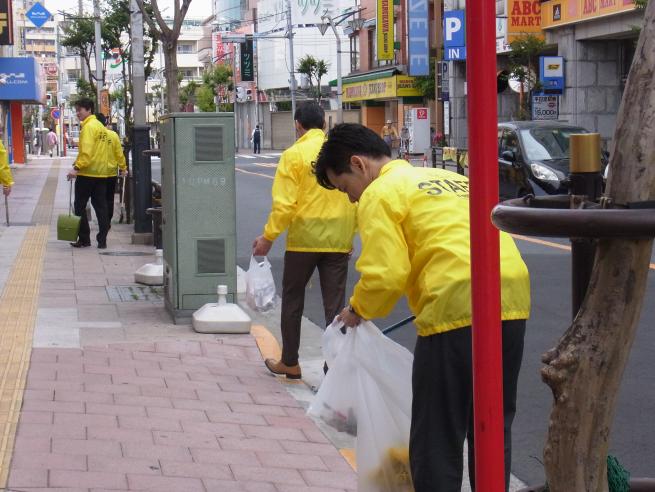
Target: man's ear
356,162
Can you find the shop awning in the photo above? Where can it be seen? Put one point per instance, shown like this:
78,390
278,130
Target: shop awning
381,74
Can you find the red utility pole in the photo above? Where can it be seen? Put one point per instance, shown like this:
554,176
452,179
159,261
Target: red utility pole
485,249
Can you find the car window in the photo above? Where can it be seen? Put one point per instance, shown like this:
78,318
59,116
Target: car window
510,142
548,143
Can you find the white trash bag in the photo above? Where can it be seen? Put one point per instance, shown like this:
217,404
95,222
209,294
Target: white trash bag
368,391
260,286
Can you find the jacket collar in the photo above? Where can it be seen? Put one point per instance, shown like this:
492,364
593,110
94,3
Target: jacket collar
88,118
389,166
311,134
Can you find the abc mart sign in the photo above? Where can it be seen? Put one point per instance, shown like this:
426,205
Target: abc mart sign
382,88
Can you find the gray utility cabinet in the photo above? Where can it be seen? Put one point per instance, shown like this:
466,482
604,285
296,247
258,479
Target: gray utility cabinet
198,209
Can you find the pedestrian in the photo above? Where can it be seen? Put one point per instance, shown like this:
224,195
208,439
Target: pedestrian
53,141
414,227
256,140
389,134
320,227
90,170
117,163
6,180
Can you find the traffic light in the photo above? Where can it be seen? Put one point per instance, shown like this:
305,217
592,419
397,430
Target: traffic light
48,98
248,94
241,94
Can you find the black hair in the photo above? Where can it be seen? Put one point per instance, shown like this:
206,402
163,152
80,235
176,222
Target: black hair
101,118
310,115
114,127
86,103
344,141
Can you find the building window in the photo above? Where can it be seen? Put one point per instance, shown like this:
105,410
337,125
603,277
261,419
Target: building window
372,49
188,73
354,52
186,48
72,75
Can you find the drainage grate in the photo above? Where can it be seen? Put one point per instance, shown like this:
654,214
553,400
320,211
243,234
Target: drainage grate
133,293
126,253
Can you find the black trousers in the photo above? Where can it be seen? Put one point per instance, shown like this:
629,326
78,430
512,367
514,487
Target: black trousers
298,269
442,406
111,192
256,146
96,190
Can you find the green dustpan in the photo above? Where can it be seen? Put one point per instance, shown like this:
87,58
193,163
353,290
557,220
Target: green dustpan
68,226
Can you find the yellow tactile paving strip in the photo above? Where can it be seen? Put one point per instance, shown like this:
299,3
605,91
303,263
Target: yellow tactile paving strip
18,307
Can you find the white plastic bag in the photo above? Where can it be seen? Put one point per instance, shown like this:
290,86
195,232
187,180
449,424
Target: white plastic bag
260,286
369,387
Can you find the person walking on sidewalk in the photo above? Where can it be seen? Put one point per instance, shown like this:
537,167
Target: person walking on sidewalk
389,134
414,226
6,180
117,163
90,170
321,226
257,140
53,142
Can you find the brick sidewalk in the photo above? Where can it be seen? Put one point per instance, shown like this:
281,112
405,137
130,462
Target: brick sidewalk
119,398
178,416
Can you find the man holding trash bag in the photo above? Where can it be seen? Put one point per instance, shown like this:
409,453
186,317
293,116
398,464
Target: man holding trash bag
414,226
321,226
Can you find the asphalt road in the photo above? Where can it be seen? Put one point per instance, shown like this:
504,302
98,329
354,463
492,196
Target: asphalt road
633,432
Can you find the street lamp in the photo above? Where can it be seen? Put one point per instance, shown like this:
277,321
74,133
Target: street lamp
328,21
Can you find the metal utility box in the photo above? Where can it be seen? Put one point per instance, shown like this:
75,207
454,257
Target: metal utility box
417,120
198,209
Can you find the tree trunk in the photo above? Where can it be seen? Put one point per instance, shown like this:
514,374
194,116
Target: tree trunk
172,85
584,371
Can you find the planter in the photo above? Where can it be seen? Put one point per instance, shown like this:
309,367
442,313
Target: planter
636,485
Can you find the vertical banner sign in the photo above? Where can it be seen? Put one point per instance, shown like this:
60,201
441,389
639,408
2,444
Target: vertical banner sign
218,49
6,23
419,38
104,102
247,66
524,18
384,28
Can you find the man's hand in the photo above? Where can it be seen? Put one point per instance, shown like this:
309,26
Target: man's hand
71,175
6,190
349,318
261,246
123,173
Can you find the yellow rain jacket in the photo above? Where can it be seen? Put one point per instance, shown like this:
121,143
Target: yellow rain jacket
5,171
94,150
318,220
117,160
414,225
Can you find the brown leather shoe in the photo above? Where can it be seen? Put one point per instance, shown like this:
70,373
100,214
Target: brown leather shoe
281,369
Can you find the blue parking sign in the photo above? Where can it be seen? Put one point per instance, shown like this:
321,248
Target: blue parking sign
454,35
38,14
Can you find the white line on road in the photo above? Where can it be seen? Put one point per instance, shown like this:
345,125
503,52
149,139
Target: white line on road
252,172
265,164
246,156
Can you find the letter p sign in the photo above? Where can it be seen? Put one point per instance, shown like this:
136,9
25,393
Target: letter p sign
454,32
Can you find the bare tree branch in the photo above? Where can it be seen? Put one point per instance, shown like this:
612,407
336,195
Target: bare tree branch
163,28
178,25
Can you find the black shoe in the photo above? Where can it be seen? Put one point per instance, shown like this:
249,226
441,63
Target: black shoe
102,245
80,244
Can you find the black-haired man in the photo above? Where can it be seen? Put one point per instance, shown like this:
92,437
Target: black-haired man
414,226
90,170
321,226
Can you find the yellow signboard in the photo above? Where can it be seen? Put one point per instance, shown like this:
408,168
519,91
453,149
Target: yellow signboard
524,18
386,88
559,12
104,102
384,29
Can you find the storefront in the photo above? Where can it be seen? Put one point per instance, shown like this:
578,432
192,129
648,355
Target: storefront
382,96
21,84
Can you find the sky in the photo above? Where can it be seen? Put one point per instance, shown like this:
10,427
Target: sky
198,9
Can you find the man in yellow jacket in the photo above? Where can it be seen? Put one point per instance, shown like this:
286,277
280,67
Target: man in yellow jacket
414,226
6,179
90,170
320,225
117,164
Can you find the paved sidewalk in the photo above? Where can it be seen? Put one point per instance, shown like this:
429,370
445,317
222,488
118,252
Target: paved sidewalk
117,397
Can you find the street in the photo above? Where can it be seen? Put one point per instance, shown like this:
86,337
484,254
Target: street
549,263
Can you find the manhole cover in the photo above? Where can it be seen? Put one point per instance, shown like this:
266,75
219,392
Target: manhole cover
132,293
126,253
